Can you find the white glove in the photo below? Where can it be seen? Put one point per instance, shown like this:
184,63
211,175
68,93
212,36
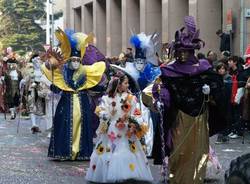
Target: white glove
22,84
1,80
104,116
5,58
159,105
239,95
206,89
45,81
33,85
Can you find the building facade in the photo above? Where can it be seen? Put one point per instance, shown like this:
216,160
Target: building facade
113,21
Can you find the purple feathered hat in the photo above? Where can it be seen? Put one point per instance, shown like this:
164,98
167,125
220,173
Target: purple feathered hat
92,55
187,38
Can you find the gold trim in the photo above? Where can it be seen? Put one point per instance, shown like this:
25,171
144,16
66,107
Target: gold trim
93,74
76,126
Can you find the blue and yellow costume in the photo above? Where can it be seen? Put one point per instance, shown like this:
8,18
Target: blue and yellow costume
72,134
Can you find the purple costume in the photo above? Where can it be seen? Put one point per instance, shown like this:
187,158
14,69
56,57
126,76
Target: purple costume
93,55
186,114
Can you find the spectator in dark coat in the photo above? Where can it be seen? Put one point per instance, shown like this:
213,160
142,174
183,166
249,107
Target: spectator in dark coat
221,69
225,40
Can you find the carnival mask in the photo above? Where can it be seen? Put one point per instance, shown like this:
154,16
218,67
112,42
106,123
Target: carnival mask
37,75
139,64
183,55
36,62
75,63
12,66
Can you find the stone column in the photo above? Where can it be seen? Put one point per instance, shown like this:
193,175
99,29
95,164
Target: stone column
193,9
67,13
208,15
236,10
178,9
99,25
165,21
108,28
114,27
130,20
77,19
151,16
87,18
247,27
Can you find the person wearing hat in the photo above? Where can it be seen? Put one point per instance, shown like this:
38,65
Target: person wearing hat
188,87
129,55
36,92
2,86
225,40
72,133
144,70
12,80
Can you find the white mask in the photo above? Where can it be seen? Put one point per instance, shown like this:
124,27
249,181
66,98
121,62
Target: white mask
139,64
37,75
75,65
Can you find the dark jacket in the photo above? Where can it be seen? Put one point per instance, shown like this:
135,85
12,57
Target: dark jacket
225,42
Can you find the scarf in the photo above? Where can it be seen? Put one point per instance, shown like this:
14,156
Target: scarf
234,88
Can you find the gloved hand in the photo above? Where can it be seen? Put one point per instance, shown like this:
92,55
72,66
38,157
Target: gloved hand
1,79
159,105
162,94
22,83
33,85
45,81
239,95
206,89
41,94
104,116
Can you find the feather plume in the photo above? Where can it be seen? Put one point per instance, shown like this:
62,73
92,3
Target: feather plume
82,41
64,43
134,40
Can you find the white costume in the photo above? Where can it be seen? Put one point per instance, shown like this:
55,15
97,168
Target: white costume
119,154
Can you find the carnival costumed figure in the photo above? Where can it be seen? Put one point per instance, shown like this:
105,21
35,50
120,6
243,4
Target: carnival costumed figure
144,71
243,92
91,56
145,68
45,93
2,86
188,87
72,134
118,154
36,92
12,80
52,99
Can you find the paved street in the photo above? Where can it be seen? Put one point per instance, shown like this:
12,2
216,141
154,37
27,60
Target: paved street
24,158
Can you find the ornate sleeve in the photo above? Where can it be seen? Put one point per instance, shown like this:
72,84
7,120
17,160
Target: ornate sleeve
103,112
135,109
161,93
137,124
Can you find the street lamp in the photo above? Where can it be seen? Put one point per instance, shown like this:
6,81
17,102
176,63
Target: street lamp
50,23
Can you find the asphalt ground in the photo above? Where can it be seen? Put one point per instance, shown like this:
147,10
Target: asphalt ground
23,158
